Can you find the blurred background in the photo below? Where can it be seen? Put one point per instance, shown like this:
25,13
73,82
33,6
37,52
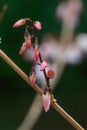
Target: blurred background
15,95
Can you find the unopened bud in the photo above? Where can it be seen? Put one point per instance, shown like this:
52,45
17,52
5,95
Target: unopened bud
36,54
32,79
46,99
50,73
43,65
23,49
19,23
28,43
37,25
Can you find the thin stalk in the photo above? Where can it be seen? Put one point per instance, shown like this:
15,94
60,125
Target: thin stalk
44,71
18,71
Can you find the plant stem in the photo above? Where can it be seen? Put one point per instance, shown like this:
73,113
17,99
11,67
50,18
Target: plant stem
18,70
40,57
44,71
39,91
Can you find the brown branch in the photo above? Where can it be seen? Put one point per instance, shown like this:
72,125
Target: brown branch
39,91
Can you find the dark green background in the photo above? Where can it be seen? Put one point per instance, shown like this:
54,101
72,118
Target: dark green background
15,95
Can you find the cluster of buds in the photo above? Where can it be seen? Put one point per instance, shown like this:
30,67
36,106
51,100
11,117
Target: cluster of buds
30,40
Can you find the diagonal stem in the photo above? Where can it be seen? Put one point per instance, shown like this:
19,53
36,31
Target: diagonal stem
44,72
39,91
18,70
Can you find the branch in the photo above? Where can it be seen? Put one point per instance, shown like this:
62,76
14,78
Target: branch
39,91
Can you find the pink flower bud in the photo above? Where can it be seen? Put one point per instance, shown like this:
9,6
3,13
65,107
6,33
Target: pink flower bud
43,65
50,73
36,54
23,49
46,101
27,38
19,23
32,79
37,25
28,43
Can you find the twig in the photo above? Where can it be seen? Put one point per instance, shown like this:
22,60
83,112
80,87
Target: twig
39,91
18,70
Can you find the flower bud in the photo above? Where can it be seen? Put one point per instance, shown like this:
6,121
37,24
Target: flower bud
43,65
27,38
32,79
23,49
19,23
50,73
37,25
28,43
36,54
46,99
